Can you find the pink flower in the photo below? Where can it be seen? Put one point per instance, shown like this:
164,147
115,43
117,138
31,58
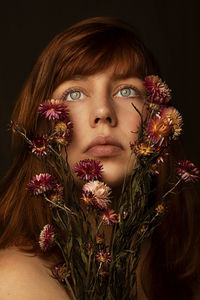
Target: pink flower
158,91
88,169
103,257
99,192
109,217
188,171
54,109
47,237
41,183
40,146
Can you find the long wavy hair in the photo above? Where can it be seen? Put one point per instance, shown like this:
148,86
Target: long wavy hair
91,46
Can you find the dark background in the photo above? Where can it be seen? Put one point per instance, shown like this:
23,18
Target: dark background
169,29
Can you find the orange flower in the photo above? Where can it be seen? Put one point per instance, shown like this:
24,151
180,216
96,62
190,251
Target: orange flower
159,129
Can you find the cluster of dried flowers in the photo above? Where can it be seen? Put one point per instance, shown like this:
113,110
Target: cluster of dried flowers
94,267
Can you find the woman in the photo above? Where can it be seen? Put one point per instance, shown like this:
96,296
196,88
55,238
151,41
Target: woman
98,67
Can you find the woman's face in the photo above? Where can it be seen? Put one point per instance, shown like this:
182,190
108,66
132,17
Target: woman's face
104,120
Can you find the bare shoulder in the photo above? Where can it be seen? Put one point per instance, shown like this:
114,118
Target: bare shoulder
23,276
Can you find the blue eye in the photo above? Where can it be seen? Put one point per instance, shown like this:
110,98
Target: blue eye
72,95
127,92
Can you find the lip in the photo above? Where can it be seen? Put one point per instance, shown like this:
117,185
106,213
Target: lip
104,146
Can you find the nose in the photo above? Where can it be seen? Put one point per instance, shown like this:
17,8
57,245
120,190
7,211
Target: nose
103,112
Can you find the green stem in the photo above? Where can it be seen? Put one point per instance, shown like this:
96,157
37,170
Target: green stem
63,253
167,193
112,238
70,289
98,227
88,272
66,209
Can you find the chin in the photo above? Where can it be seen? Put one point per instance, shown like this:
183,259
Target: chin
113,175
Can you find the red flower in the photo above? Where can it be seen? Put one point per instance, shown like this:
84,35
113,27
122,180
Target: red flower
88,169
41,183
47,237
54,109
103,257
40,146
188,171
109,217
158,91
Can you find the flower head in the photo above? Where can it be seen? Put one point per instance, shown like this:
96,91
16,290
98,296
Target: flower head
158,91
87,198
62,138
103,271
142,148
175,118
62,272
47,237
100,239
63,132
103,257
54,109
188,171
154,169
98,192
109,217
143,229
41,183
40,145
159,129
160,208
88,169
124,214
15,126
56,195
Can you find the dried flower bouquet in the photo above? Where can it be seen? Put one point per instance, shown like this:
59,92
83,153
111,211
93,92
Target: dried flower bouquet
96,266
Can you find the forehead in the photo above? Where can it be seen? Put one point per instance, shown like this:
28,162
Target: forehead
104,78
115,72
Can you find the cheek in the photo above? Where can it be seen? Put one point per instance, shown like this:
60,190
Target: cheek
78,114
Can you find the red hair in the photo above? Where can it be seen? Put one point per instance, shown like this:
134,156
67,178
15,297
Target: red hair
86,48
